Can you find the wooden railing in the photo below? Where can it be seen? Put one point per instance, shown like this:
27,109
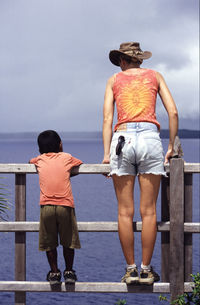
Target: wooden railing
176,229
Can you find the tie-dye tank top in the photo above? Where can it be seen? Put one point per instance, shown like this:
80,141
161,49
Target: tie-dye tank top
135,96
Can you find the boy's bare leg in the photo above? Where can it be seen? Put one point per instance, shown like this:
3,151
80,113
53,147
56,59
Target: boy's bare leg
68,254
52,259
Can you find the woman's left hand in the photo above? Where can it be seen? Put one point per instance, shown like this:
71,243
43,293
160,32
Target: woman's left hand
168,155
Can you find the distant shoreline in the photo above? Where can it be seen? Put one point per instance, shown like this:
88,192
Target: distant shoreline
182,133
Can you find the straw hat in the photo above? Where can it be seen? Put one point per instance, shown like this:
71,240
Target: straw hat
131,50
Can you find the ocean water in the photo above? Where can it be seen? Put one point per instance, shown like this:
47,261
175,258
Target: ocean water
100,258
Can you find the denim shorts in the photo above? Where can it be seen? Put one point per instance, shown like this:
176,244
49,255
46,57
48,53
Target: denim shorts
141,153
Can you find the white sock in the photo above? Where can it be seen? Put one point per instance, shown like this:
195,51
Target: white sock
146,267
128,267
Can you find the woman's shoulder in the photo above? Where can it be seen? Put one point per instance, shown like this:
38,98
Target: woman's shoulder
112,80
155,73
151,71
159,77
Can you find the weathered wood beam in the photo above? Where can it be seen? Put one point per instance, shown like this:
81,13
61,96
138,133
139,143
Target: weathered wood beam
176,257
165,235
188,240
94,287
20,237
12,168
99,226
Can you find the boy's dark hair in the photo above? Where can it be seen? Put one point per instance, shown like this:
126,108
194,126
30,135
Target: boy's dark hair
49,141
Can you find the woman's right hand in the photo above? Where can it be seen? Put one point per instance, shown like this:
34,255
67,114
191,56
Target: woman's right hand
106,160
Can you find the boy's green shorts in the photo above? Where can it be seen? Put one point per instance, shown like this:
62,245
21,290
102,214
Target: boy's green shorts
58,220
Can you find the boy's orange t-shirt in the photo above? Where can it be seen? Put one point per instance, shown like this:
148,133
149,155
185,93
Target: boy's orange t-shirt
54,178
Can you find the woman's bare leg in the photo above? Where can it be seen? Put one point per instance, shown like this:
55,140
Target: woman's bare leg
124,191
149,188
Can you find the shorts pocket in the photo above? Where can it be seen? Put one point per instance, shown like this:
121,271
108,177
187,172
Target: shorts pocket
154,147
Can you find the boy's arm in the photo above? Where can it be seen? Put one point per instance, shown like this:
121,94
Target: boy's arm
74,173
75,164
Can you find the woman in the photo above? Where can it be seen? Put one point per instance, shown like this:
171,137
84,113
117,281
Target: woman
136,149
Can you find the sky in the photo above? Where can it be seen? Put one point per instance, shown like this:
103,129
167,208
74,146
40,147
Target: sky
54,61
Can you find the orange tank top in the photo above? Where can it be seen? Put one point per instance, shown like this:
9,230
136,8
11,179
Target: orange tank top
135,96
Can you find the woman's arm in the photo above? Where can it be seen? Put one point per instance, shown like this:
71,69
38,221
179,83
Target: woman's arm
171,109
108,112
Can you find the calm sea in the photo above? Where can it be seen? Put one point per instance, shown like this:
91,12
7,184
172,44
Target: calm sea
100,258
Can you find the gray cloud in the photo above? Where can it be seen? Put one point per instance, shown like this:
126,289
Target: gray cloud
54,57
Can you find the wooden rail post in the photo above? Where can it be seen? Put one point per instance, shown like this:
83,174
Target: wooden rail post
165,237
176,227
20,237
188,218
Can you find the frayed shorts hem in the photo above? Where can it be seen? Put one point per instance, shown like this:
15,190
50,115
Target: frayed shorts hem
141,173
154,173
54,247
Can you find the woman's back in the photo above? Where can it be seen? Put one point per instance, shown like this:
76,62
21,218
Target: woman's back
135,91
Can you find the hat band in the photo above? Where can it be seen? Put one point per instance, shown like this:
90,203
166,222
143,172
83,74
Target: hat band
131,52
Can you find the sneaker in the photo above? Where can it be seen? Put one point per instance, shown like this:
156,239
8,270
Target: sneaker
70,276
148,277
54,277
130,277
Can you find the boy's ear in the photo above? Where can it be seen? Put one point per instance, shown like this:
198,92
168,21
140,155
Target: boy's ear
61,147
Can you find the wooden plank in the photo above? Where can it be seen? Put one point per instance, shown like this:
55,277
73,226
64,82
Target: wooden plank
12,168
188,217
31,169
97,226
20,237
94,287
192,168
165,237
188,168
178,152
92,169
176,227
192,227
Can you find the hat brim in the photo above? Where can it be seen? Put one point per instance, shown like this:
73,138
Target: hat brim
114,56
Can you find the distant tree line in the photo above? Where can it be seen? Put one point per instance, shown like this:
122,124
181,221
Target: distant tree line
182,133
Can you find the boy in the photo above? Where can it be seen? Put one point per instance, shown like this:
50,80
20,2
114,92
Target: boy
57,213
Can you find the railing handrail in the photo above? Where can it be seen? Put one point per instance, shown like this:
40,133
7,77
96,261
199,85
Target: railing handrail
26,168
95,226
